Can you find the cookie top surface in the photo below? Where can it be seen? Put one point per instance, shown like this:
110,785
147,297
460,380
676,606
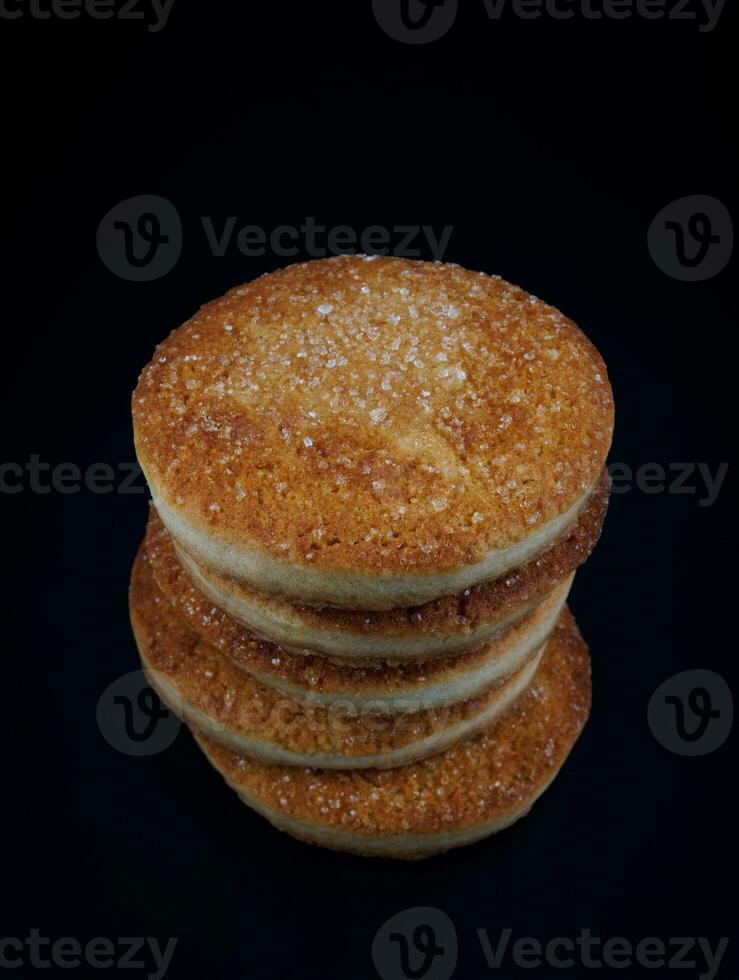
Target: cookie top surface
362,413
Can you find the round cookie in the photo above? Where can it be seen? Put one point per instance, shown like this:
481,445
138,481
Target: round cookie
460,796
442,627
338,683
234,710
372,432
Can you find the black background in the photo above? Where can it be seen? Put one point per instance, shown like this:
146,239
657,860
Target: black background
549,147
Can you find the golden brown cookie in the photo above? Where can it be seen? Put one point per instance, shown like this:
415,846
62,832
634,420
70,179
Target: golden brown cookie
372,432
233,709
338,683
443,627
460,796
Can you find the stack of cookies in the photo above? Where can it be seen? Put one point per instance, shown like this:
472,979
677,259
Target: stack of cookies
373,480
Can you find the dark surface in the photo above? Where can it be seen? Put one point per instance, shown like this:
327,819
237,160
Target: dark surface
550,147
